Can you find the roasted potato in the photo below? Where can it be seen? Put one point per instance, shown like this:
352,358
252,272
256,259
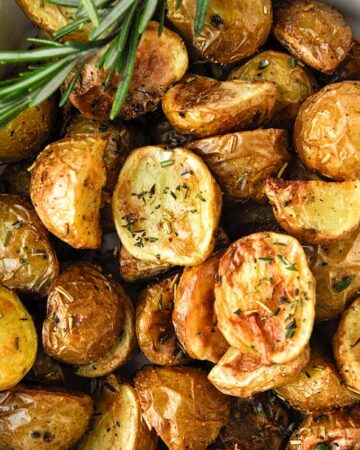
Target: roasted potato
84,315
346,345
28,262
15,179
233,29
28,133
118,423
171,214
122,350
42,420
46,370
314,32
154,328
194,317
336,268
315,211
204,107
160,62
265,297
318,387
18,340
242,161
186,411
350,69
66,188
326,133
240,375
294,84
337,430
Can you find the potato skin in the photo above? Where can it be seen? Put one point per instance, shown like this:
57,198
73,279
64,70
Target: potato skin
194,317
350,69
84,315
326,133
28,133
186,411
242,161
313,31
50,420
294,84
233,29
18,340
28,262
148,82
66,187
203,107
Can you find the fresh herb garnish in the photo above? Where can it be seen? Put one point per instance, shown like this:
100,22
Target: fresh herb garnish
344,284
167,163
266,259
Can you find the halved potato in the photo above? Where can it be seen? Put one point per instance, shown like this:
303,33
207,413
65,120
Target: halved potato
42,420
186,411
124,345
28,262
203,106
166,206
265,297
294,84
233,29
346,346
18,340
160,62
327,131
118,423
318,387
313,31
315,211
194,317
242,161
242,376
66,186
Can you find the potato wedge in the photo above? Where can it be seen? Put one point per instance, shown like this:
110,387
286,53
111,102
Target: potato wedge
265,297
18,340
66,187
29,132
160,62
318,387
294,84
28,262
154,328
42,420
182,405
338,429
233,29
84,315
203,107
326,133
313,31
123,348
315,211
346,346
194,317
239,375
170,215
118,423
242,161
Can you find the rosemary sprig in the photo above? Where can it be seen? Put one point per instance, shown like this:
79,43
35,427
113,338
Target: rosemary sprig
117,27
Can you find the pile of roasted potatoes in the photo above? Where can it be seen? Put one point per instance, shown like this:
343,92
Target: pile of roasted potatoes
188,276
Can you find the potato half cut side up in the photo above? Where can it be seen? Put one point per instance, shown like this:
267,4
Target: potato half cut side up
265,297
166,206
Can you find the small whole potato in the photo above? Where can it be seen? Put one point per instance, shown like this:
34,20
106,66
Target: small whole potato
84,315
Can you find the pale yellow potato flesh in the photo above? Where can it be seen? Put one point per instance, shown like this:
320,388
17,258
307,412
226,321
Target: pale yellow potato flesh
315,211
166,206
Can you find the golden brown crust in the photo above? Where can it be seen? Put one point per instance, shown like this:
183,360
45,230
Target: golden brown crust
84,315
203,106
265,297
314,31
182,405
326,133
